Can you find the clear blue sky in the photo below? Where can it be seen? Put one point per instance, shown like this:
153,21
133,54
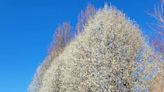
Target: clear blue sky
27,26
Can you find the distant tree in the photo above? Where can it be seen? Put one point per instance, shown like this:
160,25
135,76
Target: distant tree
159,27
84,16
157,84
62,37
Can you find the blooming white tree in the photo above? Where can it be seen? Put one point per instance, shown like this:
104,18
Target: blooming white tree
109,55
100,59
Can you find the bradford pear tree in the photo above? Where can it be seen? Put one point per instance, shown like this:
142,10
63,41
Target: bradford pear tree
110,55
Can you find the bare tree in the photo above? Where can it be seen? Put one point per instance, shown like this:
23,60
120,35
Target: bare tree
61,38
159,27
84,16
157,83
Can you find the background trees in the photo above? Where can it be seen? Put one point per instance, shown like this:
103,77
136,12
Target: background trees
158,82
159,27
84,16
62,36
